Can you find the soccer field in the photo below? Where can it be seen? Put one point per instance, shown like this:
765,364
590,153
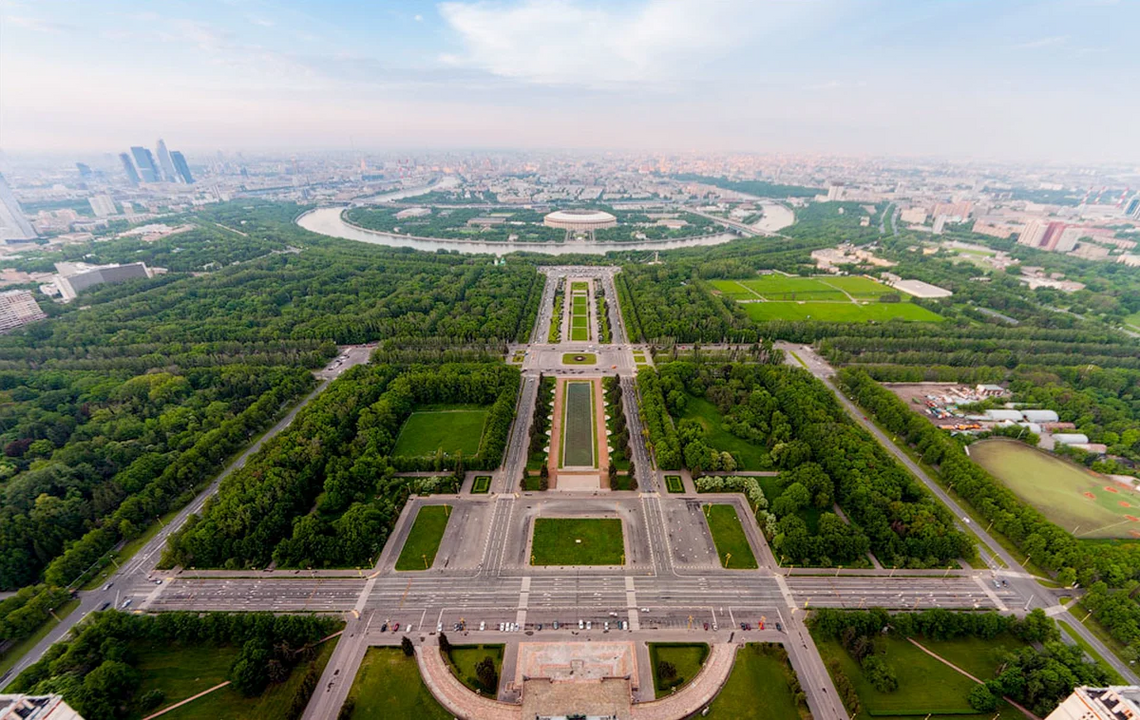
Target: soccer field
1074,498
578,426
426,431
848,298
839,311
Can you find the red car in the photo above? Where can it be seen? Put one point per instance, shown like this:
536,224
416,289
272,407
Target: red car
395,627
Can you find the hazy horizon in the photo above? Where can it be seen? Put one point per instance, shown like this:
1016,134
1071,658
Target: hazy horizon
1043,82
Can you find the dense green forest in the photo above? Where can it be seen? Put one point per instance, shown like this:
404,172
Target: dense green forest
97,672
830,461
325,492
120,409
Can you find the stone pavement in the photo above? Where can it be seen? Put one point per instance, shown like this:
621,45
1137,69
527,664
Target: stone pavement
453,695
691,699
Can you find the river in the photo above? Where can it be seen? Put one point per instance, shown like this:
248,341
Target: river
328,221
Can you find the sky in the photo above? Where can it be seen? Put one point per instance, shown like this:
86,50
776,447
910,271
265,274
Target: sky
973,79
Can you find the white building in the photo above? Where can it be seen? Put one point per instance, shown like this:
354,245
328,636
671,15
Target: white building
1041,416
36,707
18,307
1071,438
102,205
1119,702
74,278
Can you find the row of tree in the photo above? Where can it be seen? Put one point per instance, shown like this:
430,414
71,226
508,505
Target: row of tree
325,492
96,669
1116,564
801,423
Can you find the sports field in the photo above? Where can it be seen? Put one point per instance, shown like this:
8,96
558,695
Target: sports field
1085,503
839,311
850,298
578,436
449,429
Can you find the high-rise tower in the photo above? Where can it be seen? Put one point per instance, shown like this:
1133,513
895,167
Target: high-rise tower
181,167
144,159
129,168
164,164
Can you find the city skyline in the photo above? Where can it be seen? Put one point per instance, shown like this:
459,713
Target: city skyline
1006,80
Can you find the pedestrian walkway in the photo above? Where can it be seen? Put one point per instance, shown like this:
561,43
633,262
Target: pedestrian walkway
693,698
454,695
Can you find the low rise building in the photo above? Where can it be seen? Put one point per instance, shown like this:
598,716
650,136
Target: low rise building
18,307
36,707
1118,702
74,278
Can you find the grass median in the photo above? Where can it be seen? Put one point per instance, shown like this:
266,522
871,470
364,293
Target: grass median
423,540
587,541
728,535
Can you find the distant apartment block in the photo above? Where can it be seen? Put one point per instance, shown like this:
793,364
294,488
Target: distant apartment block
102,205
913,216
13,224
18,307
1047,235
73,278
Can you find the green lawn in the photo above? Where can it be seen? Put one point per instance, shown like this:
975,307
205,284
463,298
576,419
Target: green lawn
423,541
579,285
481,484
758,687
388,685
579,438
925,684
728,535
839,311
451,430
579,359
273,703
589,541
674,484
1071,496
748,456
463,659
182,672
579,334
858,286
687,658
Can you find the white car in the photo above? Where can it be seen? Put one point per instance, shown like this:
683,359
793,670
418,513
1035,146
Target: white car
439,627
607,626
589,624
483,625
581,625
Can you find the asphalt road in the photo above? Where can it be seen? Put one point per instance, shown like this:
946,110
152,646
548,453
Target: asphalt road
135,580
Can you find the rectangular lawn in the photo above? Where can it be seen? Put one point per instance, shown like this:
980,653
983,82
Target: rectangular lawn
578,436
451,430
573,541
481,484
424,538
839,311
674,484
729,538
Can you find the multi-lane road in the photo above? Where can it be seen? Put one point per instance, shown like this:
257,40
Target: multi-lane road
670,586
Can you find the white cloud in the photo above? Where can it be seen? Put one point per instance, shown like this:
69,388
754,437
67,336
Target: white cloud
1042,42
418,18
570,42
